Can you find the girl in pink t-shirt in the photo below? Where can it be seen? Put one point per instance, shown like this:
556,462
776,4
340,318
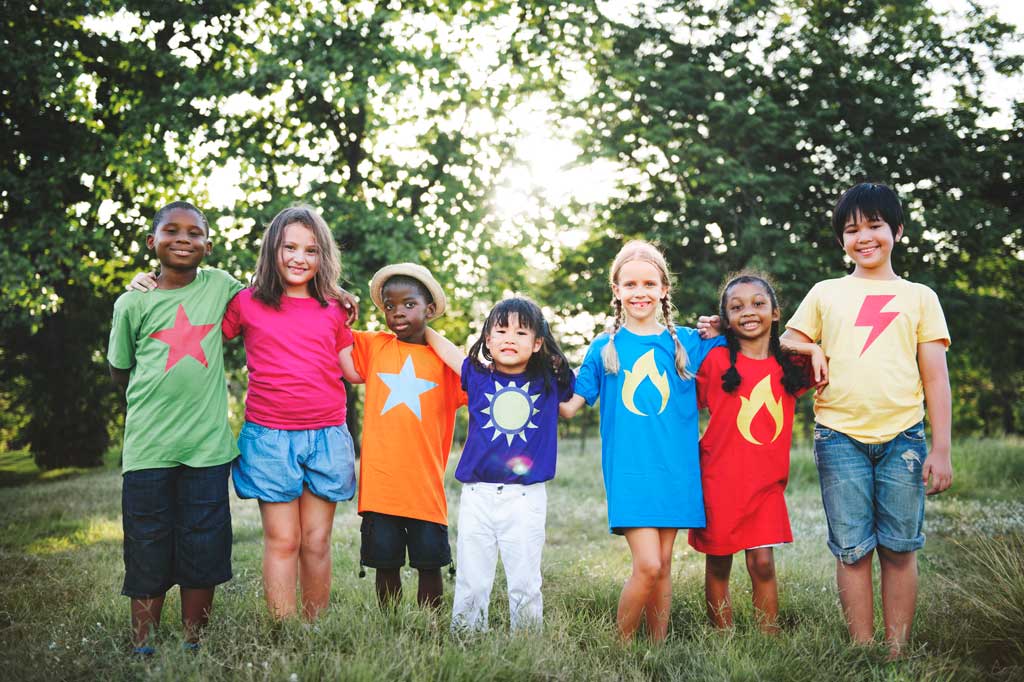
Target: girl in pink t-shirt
297,456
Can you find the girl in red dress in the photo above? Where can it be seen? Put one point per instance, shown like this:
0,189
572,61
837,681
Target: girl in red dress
750,388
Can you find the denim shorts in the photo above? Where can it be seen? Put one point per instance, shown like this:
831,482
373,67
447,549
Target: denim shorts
385,539
275,463
177,529
873,494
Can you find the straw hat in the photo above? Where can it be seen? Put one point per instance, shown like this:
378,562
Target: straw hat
418,273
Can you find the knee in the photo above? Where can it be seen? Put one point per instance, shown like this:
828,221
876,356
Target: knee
316,543
761,566
282,545
890,559
649,569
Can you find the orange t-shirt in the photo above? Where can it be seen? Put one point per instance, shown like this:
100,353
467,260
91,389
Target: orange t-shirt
408,420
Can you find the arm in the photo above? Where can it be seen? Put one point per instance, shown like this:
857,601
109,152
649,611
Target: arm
570,407
120,378
350,302
931,361
143,281
709,326
348,367
793,341
446,350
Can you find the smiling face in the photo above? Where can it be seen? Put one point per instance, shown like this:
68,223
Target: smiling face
297,260
749,310
868,241
406,311
180,241
511,345
640,288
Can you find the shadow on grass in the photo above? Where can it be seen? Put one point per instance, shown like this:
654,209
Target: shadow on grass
19,468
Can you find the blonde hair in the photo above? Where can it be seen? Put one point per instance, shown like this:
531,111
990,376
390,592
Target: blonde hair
637,250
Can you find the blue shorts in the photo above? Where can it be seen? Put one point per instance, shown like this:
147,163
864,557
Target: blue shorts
177,529
873,493
275,464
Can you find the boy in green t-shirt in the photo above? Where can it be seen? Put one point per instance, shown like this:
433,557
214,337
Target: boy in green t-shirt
165,351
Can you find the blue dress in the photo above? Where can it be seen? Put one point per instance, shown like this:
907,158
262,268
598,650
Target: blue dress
649,430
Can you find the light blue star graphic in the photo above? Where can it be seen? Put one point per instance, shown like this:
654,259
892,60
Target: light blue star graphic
406,388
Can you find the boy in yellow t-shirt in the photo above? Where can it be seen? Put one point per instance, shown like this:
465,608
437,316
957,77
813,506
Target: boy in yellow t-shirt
886,340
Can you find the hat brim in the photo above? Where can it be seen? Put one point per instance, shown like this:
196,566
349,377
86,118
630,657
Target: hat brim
418,273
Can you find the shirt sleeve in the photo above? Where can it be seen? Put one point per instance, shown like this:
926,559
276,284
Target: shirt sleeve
932,326
344,337
588,379
807,318
704,376
697,348
232,323
121,346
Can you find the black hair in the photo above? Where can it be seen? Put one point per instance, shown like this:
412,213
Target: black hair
871,200
548,362
794,377
158,219
399,280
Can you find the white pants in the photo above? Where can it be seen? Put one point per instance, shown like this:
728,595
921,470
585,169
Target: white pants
499,517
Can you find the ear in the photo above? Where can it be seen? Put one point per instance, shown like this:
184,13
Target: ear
209,247
899,233
431,310
537,343
150,241
776,315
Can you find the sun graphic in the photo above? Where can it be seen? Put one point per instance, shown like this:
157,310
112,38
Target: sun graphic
509,410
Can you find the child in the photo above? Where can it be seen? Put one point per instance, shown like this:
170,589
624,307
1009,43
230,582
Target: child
165,350
510,451
751,389
885,339
297,457
648,429
408,421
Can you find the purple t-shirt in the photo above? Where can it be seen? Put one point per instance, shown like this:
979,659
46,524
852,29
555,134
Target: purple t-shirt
513,427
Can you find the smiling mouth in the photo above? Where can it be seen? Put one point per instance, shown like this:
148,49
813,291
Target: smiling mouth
181,252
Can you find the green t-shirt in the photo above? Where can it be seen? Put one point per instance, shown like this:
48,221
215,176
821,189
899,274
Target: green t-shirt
177,393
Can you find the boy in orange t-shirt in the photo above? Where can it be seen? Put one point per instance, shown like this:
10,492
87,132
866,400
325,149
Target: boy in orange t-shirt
408,420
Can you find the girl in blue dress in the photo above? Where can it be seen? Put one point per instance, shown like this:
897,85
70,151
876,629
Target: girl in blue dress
642,371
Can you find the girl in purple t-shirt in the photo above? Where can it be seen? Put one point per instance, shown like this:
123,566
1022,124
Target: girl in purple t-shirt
510,451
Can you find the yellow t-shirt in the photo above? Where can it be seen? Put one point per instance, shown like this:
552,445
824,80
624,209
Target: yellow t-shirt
870,330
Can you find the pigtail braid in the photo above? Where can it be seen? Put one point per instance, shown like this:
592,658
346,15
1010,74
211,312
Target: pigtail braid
682,359
731,377
609,355
793,376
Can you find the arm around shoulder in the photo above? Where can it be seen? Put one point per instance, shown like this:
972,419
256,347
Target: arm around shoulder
449,353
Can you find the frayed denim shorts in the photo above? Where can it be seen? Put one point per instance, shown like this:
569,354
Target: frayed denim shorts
873,494
276,464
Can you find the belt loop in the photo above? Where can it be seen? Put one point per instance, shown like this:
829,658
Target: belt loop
501,486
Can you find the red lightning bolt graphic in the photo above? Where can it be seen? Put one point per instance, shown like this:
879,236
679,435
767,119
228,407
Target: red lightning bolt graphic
871,315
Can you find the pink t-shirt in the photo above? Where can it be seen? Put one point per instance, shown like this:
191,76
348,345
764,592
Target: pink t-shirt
292,356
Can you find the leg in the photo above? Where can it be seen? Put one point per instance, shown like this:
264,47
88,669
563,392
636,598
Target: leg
899,596
281,542
520,534
659,604
316,517
196,605
389,587
645,547
761,566
857,598
430,588
478,555
145,618
716,589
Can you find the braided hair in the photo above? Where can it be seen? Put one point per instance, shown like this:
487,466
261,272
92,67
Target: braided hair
549,362
794,378
648,253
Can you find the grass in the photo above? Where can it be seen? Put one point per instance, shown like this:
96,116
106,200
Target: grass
61,616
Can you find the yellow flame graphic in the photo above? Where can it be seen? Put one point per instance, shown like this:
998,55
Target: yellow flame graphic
761,396
644,368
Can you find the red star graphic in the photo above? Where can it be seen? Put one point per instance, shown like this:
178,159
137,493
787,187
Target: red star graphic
184,338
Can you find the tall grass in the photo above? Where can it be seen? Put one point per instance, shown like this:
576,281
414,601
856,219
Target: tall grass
61,615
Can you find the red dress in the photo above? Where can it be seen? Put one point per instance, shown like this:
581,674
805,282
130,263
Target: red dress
744,455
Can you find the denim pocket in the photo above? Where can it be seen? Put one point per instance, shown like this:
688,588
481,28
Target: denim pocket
253,431
915,432
822,432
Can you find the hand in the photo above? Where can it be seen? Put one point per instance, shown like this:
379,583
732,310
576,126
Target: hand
144,282
939,467
819,369
709,326
351,304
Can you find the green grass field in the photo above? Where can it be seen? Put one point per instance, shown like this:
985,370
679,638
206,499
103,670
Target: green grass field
62,617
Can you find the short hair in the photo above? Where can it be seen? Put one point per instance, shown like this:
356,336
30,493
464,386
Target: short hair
399,280
871,200
158,219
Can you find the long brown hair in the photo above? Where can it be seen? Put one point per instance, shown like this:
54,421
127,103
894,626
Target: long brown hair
266,281
648,253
